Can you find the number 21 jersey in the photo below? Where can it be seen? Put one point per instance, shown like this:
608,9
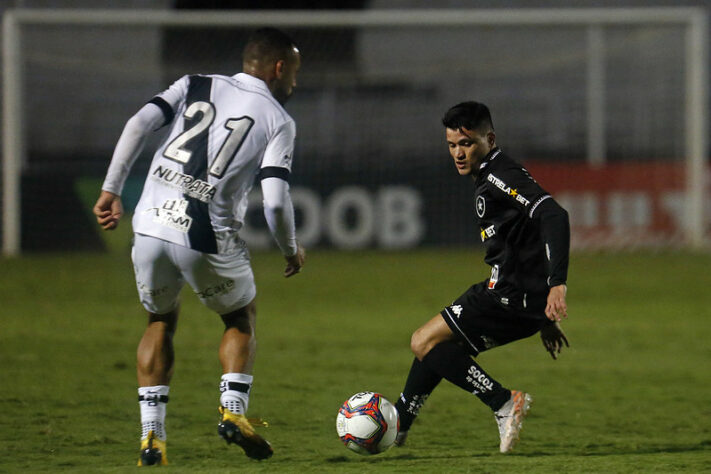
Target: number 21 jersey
224,131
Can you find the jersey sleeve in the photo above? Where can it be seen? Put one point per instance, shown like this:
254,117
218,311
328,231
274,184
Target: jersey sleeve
170,99
279,152
279,214
130,145
555,233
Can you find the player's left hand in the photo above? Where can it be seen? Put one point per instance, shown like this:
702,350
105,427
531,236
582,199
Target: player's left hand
553,339
108,210
556,308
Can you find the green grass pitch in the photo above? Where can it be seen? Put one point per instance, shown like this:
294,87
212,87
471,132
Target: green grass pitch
632,394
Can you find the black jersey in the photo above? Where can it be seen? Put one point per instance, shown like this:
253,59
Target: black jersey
525,233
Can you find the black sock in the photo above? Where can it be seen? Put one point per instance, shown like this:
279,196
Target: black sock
452,362
420,382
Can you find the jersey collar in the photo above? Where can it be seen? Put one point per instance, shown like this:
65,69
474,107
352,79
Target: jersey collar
252,81
492,154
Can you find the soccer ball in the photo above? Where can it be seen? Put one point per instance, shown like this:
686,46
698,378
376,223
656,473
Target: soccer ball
367,423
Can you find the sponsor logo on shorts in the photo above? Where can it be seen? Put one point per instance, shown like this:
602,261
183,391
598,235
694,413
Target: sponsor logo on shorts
489,342
193,187
172,214
507,189
494,277
152,291
219,289
480,381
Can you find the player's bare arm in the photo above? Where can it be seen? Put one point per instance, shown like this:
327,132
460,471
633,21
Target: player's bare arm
108,210
295,262
553,338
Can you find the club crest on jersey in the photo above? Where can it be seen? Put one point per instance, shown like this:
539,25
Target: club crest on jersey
172,214
480,206
508,190
193,187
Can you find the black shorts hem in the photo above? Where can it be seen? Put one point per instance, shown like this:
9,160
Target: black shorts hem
479,320
449,318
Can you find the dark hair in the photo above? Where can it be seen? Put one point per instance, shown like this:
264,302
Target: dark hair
268,44
470,115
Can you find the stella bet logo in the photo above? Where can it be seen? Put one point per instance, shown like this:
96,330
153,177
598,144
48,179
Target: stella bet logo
508,190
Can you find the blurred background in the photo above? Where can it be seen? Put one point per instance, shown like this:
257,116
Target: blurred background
598,113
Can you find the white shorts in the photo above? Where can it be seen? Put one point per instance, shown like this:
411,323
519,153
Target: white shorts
224,283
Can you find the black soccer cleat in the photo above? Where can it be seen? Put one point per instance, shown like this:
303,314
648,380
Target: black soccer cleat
400,439
238,430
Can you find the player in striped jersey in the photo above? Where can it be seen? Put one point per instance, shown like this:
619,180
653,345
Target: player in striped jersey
224,132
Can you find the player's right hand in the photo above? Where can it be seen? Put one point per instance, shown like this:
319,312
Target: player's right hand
556,307
295,262
108,210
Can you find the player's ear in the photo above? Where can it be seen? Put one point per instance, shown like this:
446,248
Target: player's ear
279,67
491,138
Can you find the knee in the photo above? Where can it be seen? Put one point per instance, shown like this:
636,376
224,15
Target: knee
421,343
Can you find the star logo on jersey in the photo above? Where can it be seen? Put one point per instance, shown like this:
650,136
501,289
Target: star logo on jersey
480,206
513,193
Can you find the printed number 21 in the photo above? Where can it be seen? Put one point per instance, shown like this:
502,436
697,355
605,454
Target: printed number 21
238,127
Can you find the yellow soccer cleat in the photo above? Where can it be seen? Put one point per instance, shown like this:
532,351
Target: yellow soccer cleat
153,451
237,429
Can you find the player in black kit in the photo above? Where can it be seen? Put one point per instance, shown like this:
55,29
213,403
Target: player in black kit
527,238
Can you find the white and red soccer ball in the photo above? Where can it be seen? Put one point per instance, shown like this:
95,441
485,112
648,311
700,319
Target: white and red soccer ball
367,423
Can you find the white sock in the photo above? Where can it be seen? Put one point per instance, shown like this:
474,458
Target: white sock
152,401
235,389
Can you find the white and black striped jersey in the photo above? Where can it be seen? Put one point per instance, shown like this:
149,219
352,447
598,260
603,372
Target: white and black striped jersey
225,131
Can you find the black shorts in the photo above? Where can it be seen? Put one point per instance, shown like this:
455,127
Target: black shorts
481,321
